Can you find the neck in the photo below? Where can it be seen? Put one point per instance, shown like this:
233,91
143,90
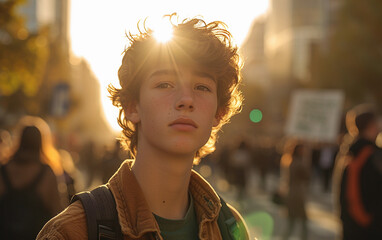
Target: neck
164,180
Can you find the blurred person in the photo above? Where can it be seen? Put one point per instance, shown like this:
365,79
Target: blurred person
224,162
174,98
240,164
88,162
360,194
111,161
5,146
299,171
70,172
326,163
29,194
263,163
316,164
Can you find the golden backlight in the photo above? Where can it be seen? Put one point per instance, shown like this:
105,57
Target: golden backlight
162,30
98,28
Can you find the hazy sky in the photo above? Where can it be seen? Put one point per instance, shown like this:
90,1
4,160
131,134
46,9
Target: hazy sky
97,29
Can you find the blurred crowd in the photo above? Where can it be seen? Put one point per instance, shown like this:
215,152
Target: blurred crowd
38,179
342,170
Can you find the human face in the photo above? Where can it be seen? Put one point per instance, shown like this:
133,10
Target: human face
176,110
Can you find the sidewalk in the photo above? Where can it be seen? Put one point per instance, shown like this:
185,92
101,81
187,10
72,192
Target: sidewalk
267,221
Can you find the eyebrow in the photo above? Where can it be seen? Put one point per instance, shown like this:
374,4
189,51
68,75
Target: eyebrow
173,72
164,72
204,74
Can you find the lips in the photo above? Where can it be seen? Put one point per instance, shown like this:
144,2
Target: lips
184,123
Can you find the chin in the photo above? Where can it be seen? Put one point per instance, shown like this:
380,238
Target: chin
184,149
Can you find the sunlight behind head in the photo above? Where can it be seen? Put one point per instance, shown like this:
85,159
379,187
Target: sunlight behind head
120,17
162,30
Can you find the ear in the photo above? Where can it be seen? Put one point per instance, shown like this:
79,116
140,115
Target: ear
132,113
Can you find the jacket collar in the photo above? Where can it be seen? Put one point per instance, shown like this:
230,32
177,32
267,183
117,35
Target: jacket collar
206,200
135,217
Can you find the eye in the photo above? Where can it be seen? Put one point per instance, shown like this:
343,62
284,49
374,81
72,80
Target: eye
163,85
203,88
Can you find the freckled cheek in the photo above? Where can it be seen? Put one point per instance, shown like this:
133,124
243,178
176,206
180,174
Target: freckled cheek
209,106
157,112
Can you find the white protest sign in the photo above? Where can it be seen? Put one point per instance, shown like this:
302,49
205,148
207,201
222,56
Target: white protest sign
315,115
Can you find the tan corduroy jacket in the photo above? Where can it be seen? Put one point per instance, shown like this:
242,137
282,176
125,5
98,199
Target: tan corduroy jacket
135,217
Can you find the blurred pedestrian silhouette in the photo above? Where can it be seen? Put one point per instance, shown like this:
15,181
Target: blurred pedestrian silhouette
361,183
70,173
29,194
263,163
5,146
240,164
326,164
299,170
111,161
89,162
224,162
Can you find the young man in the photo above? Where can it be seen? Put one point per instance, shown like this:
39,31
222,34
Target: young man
175,96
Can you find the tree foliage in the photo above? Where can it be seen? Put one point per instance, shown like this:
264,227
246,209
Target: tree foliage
353,59
23,55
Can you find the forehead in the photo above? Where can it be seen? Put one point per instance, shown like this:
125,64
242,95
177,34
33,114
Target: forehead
175,63
172,56
179,70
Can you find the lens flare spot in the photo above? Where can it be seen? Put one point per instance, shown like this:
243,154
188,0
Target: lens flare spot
205,171
260,223
256,115
222,185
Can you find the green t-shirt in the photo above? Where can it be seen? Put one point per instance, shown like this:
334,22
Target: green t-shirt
186,228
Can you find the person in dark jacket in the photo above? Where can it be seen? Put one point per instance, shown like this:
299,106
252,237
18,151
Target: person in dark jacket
361,184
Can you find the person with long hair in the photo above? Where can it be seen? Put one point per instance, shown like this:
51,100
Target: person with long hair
29,194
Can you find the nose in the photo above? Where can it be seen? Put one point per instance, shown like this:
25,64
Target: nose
185,99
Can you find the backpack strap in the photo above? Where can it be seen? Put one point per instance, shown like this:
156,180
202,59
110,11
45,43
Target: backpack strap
101,213
229,228
102,217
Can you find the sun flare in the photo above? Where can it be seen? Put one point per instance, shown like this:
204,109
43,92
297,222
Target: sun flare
104,39
162,31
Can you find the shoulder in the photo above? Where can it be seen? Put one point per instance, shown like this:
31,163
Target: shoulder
69,224
235,213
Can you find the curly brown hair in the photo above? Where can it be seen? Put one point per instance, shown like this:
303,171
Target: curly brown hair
194,42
